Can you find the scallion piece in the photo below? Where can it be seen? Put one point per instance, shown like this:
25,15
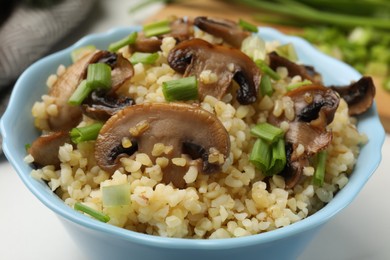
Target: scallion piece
278,158
266,86
81,92
181,89
267,132
247,26
92,212
116,195
144,58
157,28
130,39
298,84
267,70
99,76
260,155
76,54
86,133
319,174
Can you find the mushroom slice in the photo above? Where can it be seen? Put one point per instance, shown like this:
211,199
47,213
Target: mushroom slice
359,95
194,56
173,124
101,106
315,107
228,30
306,72
69,116
45,148
181,30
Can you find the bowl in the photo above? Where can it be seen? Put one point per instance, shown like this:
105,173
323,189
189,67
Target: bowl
104,241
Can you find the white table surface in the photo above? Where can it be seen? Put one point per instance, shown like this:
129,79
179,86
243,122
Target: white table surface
29,230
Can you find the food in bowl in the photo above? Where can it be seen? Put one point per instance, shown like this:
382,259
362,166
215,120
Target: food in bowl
192,132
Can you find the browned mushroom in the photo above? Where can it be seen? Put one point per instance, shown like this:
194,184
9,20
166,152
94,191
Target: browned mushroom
315,107
168,123
45,148
359,95
305,71
181,30
194,56
228,30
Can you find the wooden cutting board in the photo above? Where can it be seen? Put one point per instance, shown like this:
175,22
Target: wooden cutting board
223,9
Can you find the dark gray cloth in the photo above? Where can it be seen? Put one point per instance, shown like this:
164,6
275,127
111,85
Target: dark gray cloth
30,33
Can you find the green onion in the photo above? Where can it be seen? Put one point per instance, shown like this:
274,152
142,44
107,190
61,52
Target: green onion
81,92
267,70
130,39
319,174
86,133
260,155
116,195
92,212
99,76
247,26
157,28
266,86
143,57
287,51
278,158
80,52
267,132
298,84
181,89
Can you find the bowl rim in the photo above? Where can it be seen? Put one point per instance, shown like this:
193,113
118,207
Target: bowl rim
343,198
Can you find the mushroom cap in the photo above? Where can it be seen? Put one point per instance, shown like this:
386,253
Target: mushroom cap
168,123
226,29
194,56
359,95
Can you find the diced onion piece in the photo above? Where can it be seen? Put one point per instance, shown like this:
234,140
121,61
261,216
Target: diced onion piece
116,195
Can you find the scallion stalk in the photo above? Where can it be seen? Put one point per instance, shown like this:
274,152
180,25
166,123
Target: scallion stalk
86,133
319,174
81,92
278,158
157,28
92,212
181,89
267,70
260,155
267,132
144,58
130,39
99,76
266,86
247,26
298,84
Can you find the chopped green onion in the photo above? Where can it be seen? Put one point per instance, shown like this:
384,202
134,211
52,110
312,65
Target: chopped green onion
81,92
267,132
92,212
143,57
319,174
157,28
287,51
129,39
99,76
181,89
86,133
267,70
266,86
116,195
80,52
298,84
247,26
278,158
27,147
260,156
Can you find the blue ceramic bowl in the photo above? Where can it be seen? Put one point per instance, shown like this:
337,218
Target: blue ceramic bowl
104,241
